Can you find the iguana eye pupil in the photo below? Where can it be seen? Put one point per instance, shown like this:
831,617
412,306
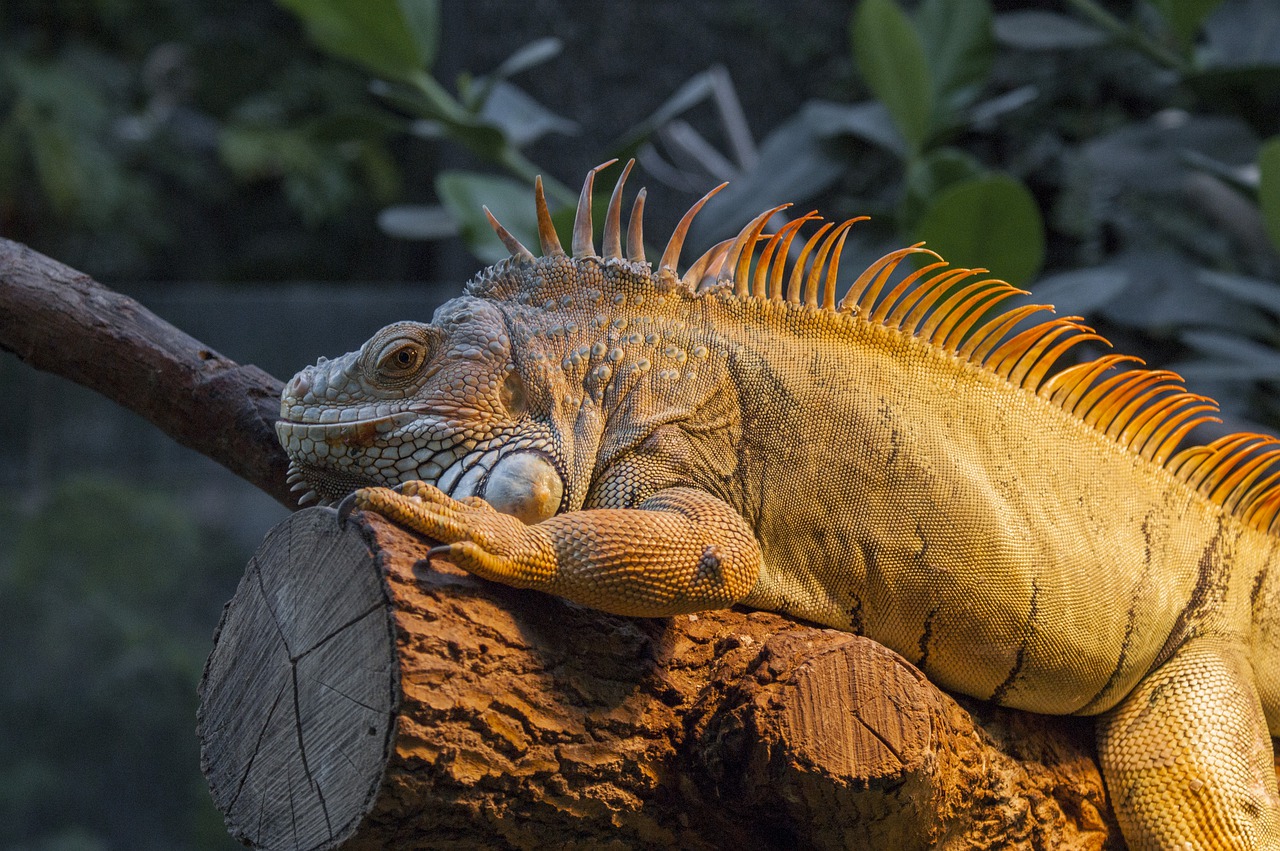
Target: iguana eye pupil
401,359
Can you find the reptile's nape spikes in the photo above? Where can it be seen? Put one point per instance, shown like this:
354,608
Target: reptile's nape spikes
706,266
512,244
611,245
864,293
833,266
781,244
635,229
813,281
671,254
742,249
583,232
546,229
797,271
910,308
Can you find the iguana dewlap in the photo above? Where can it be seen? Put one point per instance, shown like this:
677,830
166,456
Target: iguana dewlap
896,460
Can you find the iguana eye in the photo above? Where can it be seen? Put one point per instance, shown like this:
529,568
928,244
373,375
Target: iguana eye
400,358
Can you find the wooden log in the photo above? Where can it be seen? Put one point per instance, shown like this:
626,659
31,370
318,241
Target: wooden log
360,697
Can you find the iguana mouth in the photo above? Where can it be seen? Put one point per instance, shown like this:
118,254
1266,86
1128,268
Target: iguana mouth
361,431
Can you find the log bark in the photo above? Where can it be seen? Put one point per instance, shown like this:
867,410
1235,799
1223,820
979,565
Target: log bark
362,696
64,322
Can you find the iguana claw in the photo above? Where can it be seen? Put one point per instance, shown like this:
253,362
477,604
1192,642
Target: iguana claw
345,507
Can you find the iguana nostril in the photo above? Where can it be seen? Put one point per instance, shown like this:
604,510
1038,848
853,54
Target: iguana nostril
298,386
525,485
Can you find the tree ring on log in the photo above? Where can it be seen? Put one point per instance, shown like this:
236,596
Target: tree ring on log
304,688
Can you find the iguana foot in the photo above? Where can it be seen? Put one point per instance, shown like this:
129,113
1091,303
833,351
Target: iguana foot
682,550
473,535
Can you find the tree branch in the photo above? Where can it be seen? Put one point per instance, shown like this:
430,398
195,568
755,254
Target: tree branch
62,321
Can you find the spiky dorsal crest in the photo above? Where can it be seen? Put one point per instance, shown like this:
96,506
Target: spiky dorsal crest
1148,412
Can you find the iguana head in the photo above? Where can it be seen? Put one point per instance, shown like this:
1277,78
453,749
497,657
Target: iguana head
505,394
440,402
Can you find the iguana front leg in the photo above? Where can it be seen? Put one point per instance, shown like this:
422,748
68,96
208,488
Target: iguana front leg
680,551
1187,756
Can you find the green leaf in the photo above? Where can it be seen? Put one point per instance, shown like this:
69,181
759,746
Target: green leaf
984,115
1269,187
1251,360
891,56
532,54
992,222
522,119
958,47
1185,16
697,88
463,193
1034,29
476,93
929,176
423,20
869,121
376,34
793,164
1255,291
428,99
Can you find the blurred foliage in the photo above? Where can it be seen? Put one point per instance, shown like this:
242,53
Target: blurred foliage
152,140
108,595
397,41
993,119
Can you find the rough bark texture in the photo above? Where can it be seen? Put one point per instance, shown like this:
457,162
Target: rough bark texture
358,695
62,321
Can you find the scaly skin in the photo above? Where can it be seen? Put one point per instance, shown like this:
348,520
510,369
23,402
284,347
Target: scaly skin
894,465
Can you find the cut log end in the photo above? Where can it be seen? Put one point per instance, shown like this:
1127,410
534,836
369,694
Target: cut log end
299,696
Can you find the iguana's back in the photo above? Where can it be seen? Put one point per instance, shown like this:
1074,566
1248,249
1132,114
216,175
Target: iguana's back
1011,550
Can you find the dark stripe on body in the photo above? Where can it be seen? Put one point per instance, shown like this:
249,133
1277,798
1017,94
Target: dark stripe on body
925,637
1260,580
1206,584
1130,617
997,696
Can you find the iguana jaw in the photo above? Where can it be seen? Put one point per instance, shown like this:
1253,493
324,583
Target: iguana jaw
329,460
517,474
370,445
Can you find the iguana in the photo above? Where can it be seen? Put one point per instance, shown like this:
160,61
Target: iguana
898,461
